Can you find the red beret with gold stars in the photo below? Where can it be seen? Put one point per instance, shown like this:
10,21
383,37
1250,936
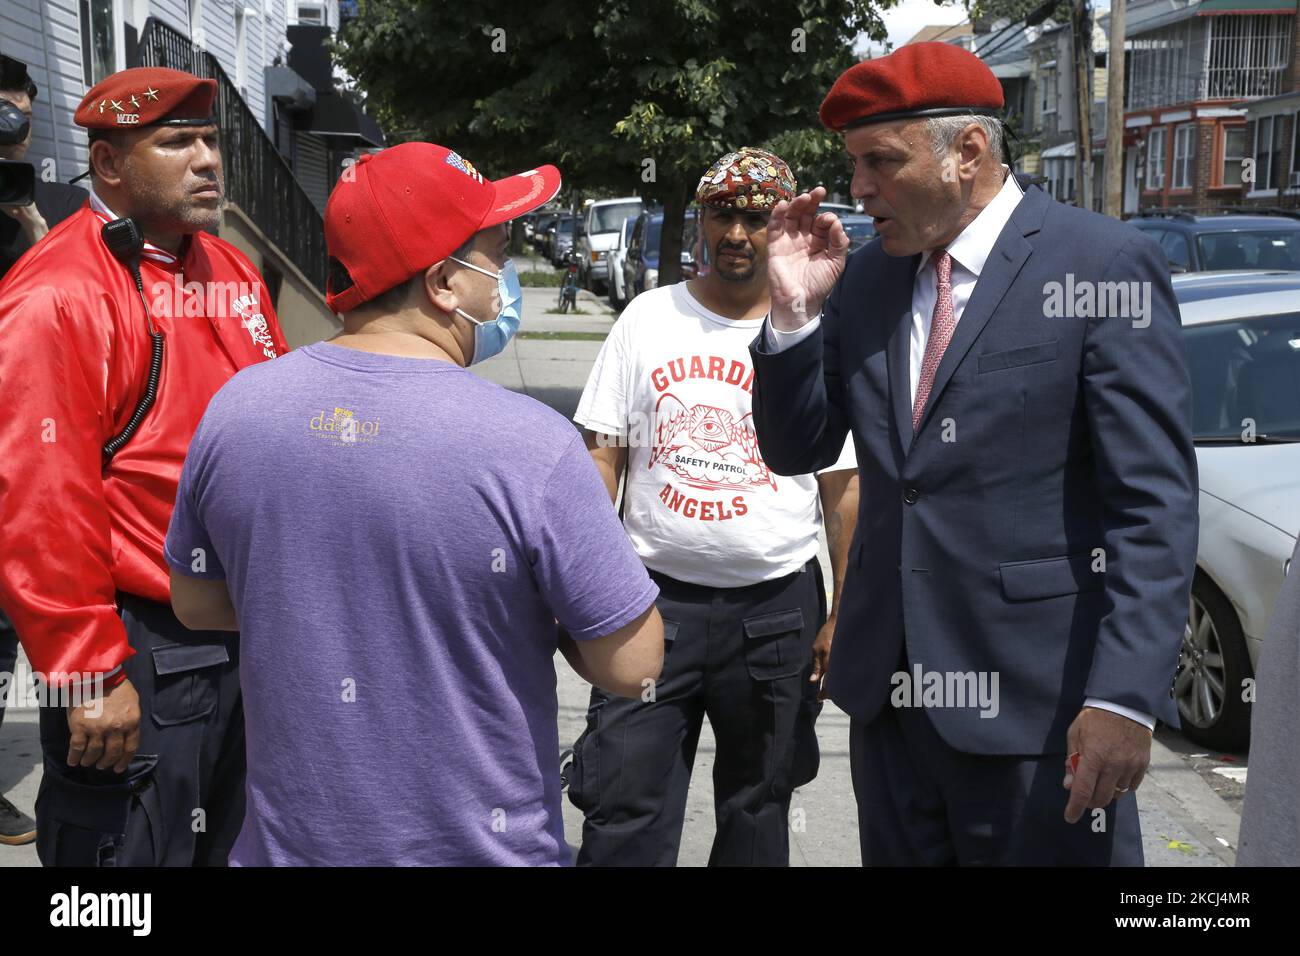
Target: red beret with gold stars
148,96
917,80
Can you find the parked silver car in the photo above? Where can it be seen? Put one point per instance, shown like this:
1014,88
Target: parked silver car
1242,331
618,296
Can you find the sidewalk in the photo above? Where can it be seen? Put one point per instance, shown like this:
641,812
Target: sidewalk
551,370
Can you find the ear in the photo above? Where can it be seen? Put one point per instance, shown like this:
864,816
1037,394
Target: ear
437,290
107,161
974,148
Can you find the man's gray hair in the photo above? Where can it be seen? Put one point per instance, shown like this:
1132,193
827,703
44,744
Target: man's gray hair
944,129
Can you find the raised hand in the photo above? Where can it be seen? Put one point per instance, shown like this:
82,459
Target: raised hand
805,257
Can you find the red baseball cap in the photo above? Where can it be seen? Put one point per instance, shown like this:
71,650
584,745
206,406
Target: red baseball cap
398,211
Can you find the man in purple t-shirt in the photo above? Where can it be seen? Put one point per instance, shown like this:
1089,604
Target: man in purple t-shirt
403,546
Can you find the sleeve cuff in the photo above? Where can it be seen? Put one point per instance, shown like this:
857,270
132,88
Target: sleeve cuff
599,426
630,612
185,566
778,341
1144,719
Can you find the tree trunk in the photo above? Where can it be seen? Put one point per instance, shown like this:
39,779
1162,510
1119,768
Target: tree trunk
670,237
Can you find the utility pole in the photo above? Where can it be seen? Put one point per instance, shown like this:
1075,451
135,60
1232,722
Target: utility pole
1114,202
1081,39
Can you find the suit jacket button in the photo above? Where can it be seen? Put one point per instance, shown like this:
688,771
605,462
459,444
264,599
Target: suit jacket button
912,496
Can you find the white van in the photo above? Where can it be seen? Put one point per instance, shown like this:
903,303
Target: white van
601,224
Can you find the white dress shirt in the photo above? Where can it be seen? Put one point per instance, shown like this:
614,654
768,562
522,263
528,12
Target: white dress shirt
969,251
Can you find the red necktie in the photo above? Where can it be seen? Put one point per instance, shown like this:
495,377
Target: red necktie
942,322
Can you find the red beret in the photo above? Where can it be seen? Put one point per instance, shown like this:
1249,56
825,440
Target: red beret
917,80
147,96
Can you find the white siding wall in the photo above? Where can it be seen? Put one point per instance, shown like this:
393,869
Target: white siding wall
40,32
264,34
175,13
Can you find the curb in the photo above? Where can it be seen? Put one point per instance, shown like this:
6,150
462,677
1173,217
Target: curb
1210,818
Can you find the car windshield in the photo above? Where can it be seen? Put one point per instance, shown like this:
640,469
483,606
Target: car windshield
566,227
859,230
654,229
1250,250
610,218
1245,378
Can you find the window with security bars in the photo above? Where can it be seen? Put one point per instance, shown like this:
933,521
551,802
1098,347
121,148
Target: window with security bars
1165,65
1248,55
1223,57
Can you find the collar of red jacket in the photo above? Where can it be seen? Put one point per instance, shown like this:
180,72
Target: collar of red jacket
106,215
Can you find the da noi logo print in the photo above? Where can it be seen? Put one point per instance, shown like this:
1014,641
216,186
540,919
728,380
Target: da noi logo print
344,427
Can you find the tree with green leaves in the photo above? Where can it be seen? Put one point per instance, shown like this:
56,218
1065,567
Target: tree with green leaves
620,94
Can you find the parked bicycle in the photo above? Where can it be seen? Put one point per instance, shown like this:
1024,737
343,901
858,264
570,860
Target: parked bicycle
569,287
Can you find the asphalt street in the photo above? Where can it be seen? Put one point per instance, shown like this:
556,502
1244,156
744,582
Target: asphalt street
1189,812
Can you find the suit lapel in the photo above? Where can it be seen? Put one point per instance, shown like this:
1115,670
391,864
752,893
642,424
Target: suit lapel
1000,270
901,275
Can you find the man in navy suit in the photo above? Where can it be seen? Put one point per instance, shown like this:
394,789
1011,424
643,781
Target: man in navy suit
1013,375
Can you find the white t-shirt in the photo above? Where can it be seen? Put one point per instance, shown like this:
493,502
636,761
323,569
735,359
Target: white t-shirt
674,381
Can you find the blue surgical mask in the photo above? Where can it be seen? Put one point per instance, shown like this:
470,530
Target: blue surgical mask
491,337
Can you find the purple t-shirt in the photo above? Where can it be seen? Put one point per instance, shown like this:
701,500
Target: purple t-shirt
399,537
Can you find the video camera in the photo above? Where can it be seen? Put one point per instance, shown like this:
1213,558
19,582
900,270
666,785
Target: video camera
17,180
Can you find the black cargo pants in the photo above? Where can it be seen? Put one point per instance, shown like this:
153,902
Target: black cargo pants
181,801
742,656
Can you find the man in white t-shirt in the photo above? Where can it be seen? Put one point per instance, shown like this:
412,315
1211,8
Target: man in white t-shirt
732,546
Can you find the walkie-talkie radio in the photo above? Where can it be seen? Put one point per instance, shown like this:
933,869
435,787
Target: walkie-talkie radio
126,242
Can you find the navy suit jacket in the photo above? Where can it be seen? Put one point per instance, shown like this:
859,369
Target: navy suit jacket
1041,524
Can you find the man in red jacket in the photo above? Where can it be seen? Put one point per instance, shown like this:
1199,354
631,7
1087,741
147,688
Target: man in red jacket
144,747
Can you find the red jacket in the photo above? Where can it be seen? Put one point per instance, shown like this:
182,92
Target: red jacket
74,360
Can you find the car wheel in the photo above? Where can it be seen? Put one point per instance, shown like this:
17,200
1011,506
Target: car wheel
1212,669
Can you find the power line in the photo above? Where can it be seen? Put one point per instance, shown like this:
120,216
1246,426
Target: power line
1032,19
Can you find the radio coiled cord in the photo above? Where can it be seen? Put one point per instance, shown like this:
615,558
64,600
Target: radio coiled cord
114,444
